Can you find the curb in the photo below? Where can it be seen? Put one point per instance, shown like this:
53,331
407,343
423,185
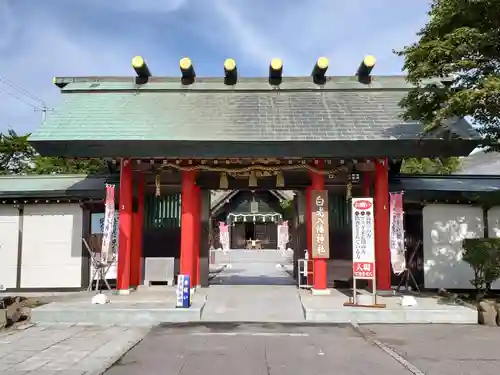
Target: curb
398,358
115,358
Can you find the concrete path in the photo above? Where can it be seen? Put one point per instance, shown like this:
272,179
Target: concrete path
65,349
443,349
255,287
256,349
253,267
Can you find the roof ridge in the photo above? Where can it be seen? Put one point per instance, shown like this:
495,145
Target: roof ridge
51,176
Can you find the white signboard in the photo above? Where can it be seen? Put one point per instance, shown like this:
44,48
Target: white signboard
363,239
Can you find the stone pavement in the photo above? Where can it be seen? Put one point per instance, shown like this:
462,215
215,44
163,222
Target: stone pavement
64,349
254,288
255,349
442,349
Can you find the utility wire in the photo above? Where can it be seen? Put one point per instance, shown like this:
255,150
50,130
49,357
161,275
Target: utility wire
24,94
21,99
23,91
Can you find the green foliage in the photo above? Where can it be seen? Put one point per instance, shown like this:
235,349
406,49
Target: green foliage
288,210
17,157
430,166
16,154
461,41
483,255
51,165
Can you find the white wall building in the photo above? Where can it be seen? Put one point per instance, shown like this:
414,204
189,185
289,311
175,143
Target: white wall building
42,222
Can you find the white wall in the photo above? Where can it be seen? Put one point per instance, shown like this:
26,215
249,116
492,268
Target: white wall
9,239
494,231
52,246
445,226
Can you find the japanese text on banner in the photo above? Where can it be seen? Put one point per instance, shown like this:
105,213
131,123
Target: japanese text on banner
320,227
363,241
396,233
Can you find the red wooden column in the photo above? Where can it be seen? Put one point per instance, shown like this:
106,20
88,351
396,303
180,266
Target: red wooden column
188,213
320,276
125,227
382,252
137,222
309,233
197,235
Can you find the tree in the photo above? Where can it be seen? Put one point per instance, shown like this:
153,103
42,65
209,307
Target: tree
430,166
461,41
51,165
17,157
16,154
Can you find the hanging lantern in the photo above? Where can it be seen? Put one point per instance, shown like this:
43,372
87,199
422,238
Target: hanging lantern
280,179
252,179
157,185
223,182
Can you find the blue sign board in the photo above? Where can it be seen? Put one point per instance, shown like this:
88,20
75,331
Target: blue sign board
183,291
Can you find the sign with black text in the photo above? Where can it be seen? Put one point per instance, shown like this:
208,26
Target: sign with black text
319,214
363,239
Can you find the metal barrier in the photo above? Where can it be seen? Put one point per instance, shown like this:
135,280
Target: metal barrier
305,268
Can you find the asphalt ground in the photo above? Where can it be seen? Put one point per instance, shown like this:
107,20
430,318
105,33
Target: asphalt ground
256,348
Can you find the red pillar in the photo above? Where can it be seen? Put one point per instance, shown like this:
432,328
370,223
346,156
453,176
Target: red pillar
196,235
309,234
125,227
187,224
320,276
137,222
382,252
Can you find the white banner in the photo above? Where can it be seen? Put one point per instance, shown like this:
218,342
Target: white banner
224,236
363,240
109,219
397,233
283,236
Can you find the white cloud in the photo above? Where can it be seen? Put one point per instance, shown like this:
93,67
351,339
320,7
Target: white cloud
143,6
7,25
303,30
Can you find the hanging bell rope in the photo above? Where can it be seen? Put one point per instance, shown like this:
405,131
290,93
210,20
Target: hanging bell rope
158,185
348,196
280,179
349,191
252,179
223,182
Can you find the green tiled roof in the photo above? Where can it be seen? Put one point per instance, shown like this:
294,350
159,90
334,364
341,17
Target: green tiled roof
48,186
118,109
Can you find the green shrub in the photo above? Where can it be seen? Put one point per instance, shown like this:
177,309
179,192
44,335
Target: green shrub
483,255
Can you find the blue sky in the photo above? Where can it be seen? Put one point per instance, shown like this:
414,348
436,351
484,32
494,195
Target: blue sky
42,39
